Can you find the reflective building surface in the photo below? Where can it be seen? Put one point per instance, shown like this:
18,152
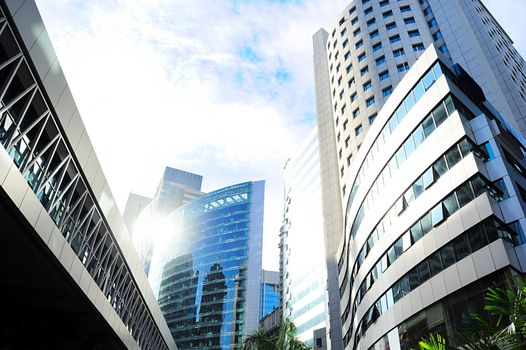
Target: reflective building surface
270,293
304,274
207,268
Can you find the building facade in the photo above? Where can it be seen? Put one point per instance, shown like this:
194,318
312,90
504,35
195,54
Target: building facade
70,276
304,274
206,268
269,293
361,62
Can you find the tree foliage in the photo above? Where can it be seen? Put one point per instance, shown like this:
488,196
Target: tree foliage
285,340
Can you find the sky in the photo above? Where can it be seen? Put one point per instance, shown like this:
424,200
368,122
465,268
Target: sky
221,88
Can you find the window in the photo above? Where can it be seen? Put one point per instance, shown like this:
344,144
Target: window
489,151
384,75
343,110
370,102
338,68
345,43
371,22
418,47
402,67
387,14
350,82
349,160
345,123
343,32
357,31
413,33
384,3
356,113
348,69
394,38
374,34
387,91
358,130
372,118
351,11
341,94
405,9
339,81
380,60
377,47
364,71
409,20
359,44
390,26
367,85
347,141
432,22
353,97
428,11
437,35
361,57
368,10
398,52
347,55
354,20
443,48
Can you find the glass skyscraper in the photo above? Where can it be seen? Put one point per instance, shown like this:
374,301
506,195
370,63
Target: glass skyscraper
270,292
206,267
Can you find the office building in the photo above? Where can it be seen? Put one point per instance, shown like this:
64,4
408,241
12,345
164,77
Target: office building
70,276
270,293
304,273
206,267
145,218
361,68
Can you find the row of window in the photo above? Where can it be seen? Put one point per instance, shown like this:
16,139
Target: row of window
430,176
409,101
462,246
389,217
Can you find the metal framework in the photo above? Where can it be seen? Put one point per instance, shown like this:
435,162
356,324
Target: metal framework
30,135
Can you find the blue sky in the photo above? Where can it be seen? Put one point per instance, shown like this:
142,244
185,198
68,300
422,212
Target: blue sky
223,88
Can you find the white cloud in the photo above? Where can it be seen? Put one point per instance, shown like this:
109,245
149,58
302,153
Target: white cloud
164,83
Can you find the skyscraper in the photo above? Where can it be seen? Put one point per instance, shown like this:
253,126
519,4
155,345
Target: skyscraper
304,273
206,267
361,73
146,217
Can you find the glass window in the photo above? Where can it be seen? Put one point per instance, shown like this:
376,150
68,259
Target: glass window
448,255
428,177
367,86
428,125
370,102
489,150
414,280
418,136
428,80
440,114
418,91
426,224
418,47
400,156
356,32
413,33
358,130
387,14
465,194
384,75
476,238
394,38
461,247
416,232
409,20
423,271
409,102
450,106
374,34
478,186
465,147
435,263
398,52
377,47
437,215
400,112
406,241
390,26
451,204
409,146
440,167
453,156
387,91
361,57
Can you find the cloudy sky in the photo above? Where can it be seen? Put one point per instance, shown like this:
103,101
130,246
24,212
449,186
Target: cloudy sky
222,88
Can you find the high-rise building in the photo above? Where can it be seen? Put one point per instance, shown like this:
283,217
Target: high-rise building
145,217
270,292
304,273
364,70
206,267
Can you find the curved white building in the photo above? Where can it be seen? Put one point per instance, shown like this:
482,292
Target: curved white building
422,208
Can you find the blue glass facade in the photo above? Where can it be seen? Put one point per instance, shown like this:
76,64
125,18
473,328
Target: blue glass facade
269,299
205,271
